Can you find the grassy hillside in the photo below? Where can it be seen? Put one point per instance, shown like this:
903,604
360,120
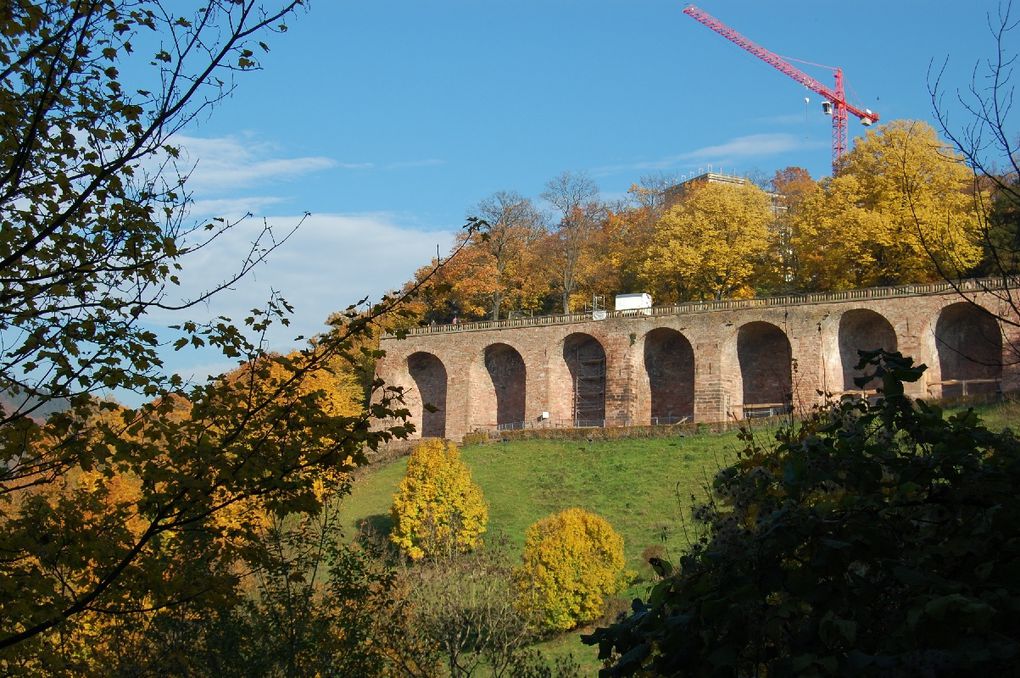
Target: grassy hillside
642,487
638,485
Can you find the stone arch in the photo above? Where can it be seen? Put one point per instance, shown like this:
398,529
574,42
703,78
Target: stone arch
764,357
585,359
429,375
862,330
969,346
669,364
508,375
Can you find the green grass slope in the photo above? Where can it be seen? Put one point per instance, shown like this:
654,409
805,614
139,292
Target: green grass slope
639,486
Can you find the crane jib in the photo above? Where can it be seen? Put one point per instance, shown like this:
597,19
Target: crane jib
838,106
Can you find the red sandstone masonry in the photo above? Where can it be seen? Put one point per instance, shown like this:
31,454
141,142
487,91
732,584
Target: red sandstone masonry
738,348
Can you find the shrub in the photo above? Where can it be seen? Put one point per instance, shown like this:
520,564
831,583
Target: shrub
464,611
572,561
871,540
475,438
438,510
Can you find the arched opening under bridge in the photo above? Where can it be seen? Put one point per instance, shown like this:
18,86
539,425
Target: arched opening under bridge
862,330
969,345
669,363
506,370
429,375
766,376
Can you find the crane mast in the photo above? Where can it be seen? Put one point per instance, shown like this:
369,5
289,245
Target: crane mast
835,104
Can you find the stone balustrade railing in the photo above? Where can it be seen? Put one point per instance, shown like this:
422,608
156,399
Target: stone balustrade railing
960,287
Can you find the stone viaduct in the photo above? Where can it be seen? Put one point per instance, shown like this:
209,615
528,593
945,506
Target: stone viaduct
701,362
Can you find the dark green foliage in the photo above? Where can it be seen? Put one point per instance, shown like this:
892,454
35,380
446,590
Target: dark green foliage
1001,238
872,539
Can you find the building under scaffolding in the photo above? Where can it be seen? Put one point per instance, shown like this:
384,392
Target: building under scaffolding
589,372
674,194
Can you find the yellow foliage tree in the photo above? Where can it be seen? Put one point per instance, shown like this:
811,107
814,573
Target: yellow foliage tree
438,510
709,245
331,389
900,210
792,186
572,561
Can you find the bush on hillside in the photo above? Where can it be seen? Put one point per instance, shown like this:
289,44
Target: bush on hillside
572,561
438,510
463,609
873,539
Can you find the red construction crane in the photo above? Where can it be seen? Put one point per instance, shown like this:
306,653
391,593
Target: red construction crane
835,105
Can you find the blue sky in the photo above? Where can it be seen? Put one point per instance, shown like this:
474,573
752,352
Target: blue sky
388,120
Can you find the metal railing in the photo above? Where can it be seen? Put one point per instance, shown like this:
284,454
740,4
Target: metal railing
586,423
872,395
669,421
578,422
963,286
761,410
966,387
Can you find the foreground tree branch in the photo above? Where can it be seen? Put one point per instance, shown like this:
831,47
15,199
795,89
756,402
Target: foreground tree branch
106,510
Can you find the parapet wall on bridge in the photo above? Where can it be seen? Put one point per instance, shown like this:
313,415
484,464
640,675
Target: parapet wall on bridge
701,362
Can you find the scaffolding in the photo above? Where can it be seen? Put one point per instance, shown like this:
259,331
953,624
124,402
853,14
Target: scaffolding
589,389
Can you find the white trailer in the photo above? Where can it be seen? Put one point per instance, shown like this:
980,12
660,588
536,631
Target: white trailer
640,302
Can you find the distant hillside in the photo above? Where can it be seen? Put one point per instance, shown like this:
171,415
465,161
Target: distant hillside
10,403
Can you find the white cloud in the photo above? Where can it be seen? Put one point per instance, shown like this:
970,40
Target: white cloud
233,162
727,153
331,261
752,145
223,164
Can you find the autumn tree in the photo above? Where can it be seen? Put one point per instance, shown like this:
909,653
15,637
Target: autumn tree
620,243
1000,233
107,510
710,243
333,385
460,287
900,209
315,604
514,228
791,187
650,194
438,511
579,211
